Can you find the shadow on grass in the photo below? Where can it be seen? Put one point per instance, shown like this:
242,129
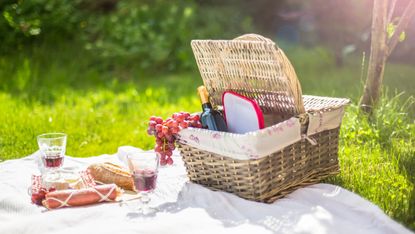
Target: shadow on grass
336,180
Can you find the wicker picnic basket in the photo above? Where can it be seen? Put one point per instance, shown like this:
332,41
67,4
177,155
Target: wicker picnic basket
254,66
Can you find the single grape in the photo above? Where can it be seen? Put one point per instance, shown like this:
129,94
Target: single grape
195,117
180,118
152,123
159,127
171,145
175,124
163,162
162,159
169,161
150,131
165,130
170,138
184,124
159,120
186,114
175,130
158,148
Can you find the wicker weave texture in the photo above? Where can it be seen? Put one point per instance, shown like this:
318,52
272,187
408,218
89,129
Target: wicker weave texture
269,178
252,66
318,104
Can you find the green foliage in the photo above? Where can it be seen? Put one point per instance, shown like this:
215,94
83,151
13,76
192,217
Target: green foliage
391,30
146,34
26,19
391,121
157,34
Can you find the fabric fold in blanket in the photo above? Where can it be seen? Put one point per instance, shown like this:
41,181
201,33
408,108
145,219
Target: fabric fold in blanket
184,207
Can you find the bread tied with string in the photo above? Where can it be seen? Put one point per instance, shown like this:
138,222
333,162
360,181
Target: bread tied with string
108,173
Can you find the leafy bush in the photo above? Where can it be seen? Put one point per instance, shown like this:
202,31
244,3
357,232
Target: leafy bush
26,19
157,34
147,34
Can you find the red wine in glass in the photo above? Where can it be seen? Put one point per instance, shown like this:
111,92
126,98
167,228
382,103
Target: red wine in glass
144,167
145,180
53,161
52,150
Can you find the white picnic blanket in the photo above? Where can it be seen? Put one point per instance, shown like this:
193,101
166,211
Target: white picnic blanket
185,207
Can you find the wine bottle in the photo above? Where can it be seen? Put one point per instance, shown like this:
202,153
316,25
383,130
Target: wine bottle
210,118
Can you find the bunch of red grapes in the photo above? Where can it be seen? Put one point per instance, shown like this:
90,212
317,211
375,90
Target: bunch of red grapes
166,131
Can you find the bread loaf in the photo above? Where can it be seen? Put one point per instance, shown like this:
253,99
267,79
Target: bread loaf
108,173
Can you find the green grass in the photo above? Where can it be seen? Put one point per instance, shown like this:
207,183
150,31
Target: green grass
105,105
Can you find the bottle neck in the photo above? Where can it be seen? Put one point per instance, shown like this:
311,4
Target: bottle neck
206,105
203,94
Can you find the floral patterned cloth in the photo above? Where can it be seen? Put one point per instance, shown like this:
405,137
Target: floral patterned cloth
263,142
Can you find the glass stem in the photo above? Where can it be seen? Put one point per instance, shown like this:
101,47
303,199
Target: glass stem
145,199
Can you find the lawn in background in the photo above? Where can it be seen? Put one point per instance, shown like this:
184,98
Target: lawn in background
102,107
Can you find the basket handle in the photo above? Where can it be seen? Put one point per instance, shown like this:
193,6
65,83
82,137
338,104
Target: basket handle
292,79
253,37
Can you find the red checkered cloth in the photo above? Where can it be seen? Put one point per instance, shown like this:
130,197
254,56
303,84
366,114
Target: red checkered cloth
87,179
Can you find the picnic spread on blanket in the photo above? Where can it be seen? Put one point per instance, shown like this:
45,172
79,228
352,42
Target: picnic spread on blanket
258,142
185,207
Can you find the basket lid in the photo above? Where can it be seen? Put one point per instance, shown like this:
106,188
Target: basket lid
253,66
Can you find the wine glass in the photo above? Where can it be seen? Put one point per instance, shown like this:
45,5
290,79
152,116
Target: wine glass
144,169
52,147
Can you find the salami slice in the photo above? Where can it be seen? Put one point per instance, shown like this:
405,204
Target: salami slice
80,197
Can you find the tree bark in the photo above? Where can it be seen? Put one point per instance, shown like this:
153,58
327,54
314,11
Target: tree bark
381,48
377,59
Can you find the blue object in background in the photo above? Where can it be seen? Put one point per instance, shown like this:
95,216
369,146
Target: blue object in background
289,32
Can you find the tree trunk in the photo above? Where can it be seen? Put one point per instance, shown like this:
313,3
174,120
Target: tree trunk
377,60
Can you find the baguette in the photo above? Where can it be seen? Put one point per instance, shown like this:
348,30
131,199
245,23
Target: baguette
108,173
